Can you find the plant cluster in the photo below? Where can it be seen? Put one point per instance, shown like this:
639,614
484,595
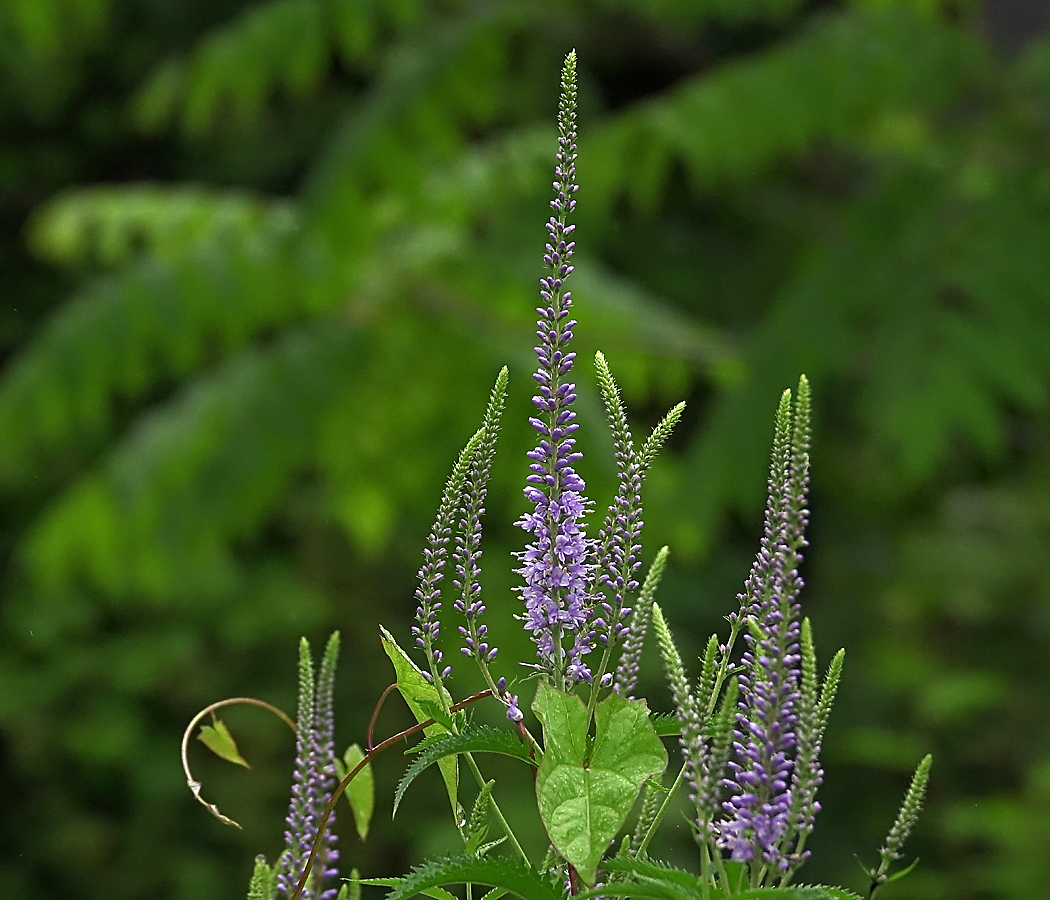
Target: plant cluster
750,726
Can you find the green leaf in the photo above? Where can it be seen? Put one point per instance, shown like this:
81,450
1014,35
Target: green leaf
669,882
422,698
436,892
475,740
665,724
801,892
217,738
657,881
510,875
585,790
361,792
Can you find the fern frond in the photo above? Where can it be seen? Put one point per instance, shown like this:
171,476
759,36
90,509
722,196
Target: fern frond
197,473
110,224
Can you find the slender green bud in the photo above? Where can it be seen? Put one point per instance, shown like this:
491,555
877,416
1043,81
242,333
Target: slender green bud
659,435
908,815
263,884
708,670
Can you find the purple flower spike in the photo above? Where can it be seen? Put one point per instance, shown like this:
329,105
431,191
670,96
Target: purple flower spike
556,565
431,573
313,780
467,555
762,809
513,713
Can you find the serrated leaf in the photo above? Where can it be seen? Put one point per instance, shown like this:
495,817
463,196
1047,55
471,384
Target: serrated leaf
217,738
361,792
510,875
800,892
436,892
658,879
665,724
585,790
421,697
475,740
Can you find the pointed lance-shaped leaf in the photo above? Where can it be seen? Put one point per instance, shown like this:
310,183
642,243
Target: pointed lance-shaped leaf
217,738
421,698
360,792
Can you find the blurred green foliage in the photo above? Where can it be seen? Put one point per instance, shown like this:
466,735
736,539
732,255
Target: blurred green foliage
263,261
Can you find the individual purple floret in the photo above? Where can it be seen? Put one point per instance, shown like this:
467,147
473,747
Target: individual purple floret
313,780
760,799
556,565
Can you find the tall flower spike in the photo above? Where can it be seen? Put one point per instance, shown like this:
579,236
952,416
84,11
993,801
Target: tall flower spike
556,565
760,805
431,572
467,555
619,541
313,779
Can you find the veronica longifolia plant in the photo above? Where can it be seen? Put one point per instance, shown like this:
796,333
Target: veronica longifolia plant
749,725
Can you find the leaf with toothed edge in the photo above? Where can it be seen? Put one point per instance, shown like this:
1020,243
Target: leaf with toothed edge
475,740
510,875
422,698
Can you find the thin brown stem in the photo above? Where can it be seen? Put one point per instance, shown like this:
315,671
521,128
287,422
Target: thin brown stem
373,752
375,714
195,785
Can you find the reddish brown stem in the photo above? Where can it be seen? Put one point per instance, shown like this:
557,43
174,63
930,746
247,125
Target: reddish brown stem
372,752
375,715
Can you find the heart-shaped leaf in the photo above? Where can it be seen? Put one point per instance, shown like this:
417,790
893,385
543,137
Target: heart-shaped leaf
586,789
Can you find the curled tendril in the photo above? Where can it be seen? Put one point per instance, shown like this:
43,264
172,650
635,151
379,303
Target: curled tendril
194,785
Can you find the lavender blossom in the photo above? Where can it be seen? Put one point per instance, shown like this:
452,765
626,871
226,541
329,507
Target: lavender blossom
556,565
313,780
760,807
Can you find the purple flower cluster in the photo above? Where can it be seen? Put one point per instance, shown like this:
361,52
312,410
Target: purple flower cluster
760,802
556,565
313,780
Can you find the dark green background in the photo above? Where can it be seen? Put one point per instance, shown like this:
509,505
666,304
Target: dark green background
262,262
